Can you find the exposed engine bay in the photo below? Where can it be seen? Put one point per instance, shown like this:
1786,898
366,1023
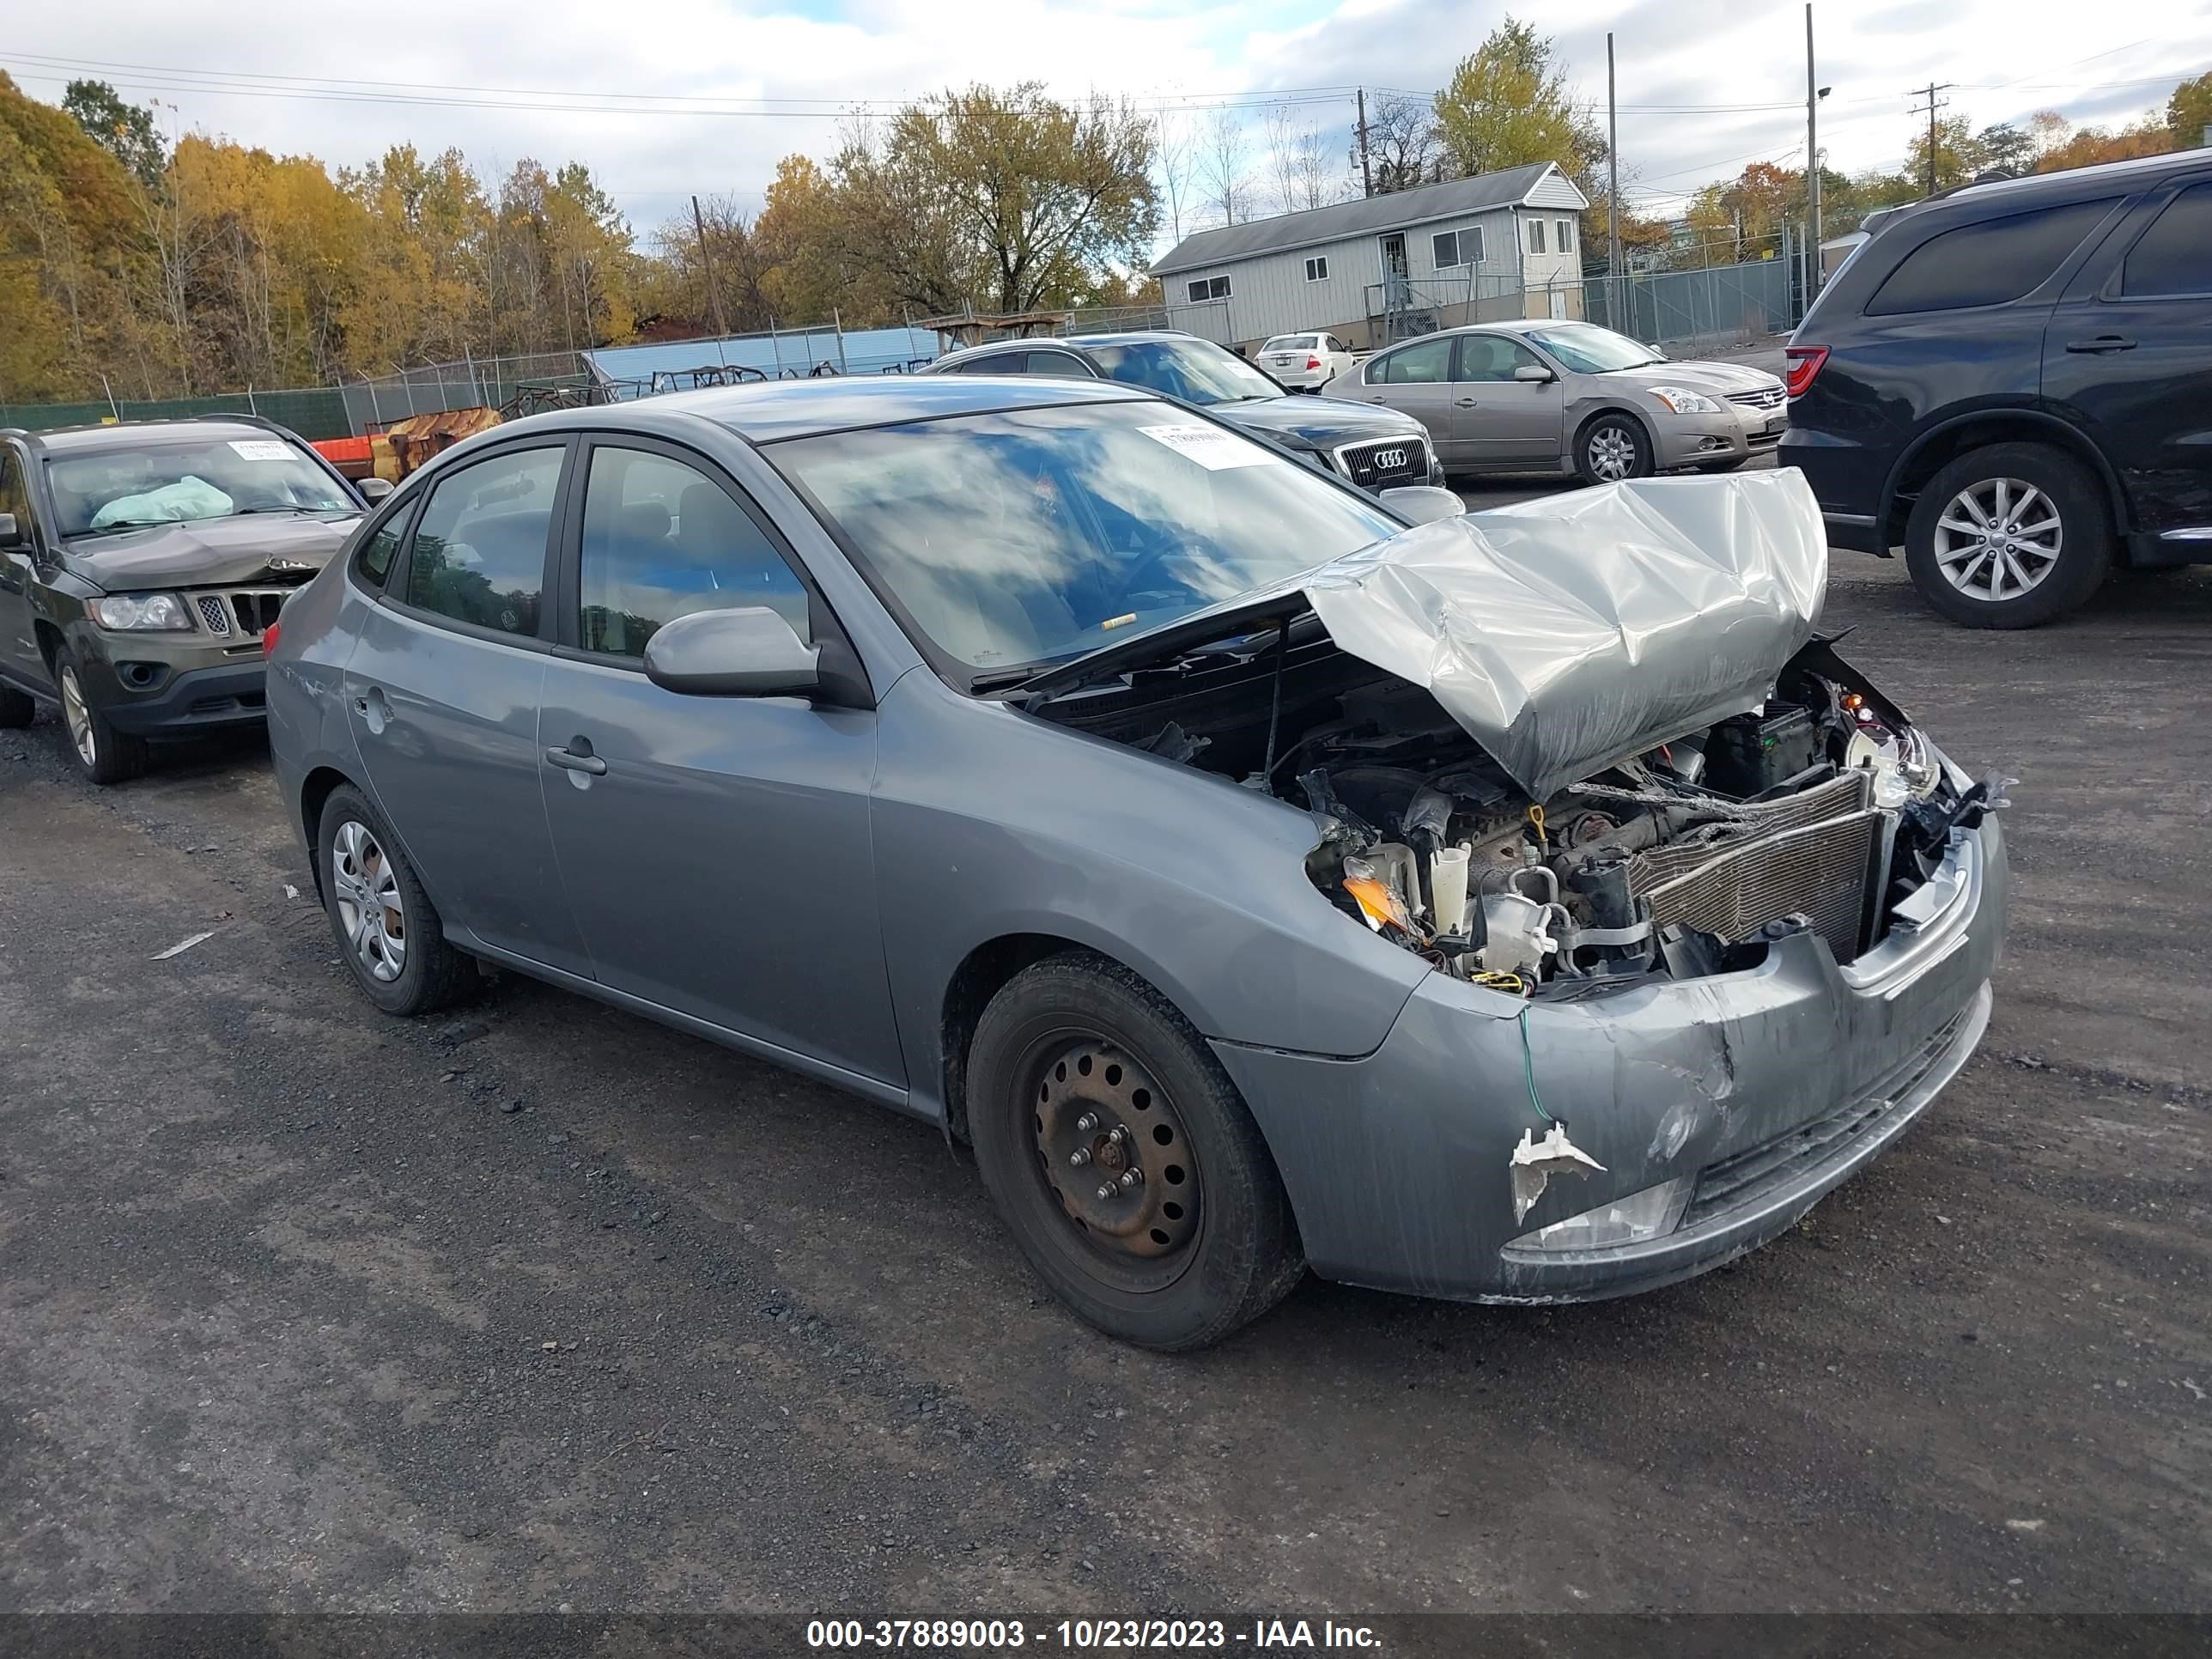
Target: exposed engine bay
1817,810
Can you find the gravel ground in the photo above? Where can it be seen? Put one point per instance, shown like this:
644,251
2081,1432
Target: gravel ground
544,1306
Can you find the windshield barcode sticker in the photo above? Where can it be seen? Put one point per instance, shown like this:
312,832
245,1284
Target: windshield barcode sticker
1209,445
262,449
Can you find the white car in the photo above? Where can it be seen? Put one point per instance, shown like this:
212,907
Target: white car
1305,362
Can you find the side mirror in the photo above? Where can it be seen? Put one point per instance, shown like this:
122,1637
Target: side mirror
1423,503
11,534
748,652
373,490
1534,374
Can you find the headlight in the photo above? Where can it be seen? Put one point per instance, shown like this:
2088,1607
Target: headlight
141,612
1683,401
1651,1214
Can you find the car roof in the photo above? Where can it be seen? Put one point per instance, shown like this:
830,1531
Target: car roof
769,411
122,435
2030,190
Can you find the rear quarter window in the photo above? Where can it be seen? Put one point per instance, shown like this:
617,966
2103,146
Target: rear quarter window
2174,256
1988,263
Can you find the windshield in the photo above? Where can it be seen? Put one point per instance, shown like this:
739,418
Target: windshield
167,481
1013,540
1588,349
1196,371
1290,342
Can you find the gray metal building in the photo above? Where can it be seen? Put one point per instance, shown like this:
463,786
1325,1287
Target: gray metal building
1379,268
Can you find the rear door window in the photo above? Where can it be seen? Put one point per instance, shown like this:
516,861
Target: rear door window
2174,256
479,552
1989,263
1425,362
996,362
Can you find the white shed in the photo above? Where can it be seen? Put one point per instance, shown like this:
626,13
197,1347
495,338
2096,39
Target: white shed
1470,250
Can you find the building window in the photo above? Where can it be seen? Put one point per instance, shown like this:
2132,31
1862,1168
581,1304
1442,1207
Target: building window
1535,236
1452,248
1209,288
1317,269
1565,228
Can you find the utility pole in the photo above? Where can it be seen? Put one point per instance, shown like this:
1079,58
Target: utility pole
713,294
1812,165
1366,172
1613,158
1929,92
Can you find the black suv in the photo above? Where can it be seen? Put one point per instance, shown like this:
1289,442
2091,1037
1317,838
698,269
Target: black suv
1375,448
2014,381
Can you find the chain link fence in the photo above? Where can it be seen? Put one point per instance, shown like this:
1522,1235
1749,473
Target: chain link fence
1726,304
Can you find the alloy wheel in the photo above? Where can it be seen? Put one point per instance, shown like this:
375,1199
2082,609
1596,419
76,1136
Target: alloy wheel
1612,454
370,910
1113,1152
78,715
1998,538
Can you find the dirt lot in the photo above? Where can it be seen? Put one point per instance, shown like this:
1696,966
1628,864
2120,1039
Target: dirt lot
303,1308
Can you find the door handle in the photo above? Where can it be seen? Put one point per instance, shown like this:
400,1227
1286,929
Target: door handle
2102,343
569,760
1463,403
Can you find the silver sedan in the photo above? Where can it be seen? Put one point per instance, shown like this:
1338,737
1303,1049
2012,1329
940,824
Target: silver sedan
1525,396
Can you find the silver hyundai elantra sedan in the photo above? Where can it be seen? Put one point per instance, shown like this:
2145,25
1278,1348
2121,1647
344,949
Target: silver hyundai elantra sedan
1255,873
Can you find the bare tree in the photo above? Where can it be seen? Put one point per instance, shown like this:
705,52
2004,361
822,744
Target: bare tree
1172,144
1314,170
1401,138
1283,159
1222,161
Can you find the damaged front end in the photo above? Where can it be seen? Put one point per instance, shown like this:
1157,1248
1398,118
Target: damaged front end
1710,918
1568,743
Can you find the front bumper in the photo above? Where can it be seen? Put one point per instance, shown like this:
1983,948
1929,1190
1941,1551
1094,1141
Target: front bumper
1771,1087
150,693
1735,434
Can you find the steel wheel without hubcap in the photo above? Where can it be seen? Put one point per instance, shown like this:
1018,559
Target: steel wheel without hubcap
1998,538
1112,1153
369,906
79,718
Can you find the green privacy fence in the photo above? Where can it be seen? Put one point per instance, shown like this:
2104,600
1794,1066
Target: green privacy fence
311,411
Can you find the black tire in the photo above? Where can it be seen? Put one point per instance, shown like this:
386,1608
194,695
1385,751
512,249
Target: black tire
2083,545
103,755
1612,432
430,974
17,709
1727,465
1204,1170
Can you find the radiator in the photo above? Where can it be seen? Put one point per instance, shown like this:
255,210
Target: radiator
1812,853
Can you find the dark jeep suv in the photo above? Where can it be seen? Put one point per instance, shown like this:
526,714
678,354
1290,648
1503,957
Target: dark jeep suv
2014,381
140,567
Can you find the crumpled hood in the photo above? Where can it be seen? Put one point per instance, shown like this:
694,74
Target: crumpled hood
1565,634
1323,423
207,552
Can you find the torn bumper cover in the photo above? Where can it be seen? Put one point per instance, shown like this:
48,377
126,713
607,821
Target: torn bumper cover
1765,1090
1558,663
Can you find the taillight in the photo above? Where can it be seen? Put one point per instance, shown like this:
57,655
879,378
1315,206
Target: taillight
269,638
1313,362
1804,363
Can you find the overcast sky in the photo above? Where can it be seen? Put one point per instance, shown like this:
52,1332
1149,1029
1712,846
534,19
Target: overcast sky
607,84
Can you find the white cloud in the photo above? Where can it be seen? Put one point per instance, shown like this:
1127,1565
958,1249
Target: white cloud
2014,56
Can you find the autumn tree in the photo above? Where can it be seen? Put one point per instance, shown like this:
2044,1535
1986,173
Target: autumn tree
2189,112
1509,103
1042,193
